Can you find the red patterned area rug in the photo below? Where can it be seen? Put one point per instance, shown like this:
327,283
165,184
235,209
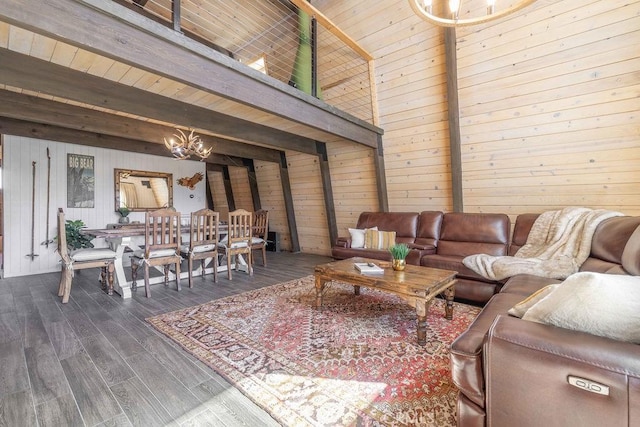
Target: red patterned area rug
355,362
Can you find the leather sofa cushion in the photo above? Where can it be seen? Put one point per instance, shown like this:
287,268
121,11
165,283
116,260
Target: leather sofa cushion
454,263
526,284
475,291
521,230
466,350
404,224
611,236
465,234
631,254
344,253
429,224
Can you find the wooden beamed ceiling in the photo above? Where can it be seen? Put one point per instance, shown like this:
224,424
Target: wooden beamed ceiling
36,110
36,75
278,117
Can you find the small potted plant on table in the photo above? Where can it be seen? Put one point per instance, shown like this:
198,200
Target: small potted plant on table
399,252
123,211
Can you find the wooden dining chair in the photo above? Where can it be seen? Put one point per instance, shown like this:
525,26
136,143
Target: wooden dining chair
238,239
204,234
79,259
161,247
260,232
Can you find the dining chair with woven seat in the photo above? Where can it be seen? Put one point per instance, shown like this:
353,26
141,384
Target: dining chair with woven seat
238,240
161,247
80,259
204,234
260,232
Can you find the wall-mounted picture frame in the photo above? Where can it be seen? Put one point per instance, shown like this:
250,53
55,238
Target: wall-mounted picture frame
80,181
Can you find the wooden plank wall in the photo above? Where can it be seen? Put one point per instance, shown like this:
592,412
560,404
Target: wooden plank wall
354,188
308,202
411,92
548,99
555,123
272,199
239,177
218,193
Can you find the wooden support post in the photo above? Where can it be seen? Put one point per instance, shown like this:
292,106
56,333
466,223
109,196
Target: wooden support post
327,191
228,189
175,14
253,183
381,177
288,203
454,118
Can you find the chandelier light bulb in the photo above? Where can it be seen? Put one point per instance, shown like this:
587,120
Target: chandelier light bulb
428,6
491,7
454,7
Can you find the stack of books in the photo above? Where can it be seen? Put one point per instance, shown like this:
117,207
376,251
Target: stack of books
368,268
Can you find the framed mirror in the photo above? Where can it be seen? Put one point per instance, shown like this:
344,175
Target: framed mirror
142,190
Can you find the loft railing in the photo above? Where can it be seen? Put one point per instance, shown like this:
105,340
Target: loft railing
288,40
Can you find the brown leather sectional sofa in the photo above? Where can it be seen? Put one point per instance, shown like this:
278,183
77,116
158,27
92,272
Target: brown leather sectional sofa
439,240
513,372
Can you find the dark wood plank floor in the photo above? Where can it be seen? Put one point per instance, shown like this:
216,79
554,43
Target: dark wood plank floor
95,361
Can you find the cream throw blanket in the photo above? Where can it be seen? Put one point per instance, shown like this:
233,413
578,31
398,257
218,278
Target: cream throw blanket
557,245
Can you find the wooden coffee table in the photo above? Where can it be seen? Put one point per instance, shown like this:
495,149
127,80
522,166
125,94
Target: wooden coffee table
416,285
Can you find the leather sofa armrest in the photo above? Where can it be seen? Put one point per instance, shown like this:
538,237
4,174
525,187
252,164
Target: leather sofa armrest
343,242
529,367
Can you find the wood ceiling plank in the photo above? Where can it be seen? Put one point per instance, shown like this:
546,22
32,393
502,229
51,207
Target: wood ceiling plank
4,34
20,40
42,47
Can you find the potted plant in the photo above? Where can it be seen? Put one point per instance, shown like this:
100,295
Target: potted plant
75,239
399,252
123,211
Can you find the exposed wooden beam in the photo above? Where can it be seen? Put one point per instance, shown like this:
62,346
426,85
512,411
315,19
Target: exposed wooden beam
253,184
288,203
381,177
42,76
72,136
110,30
327,190
454,118
39,110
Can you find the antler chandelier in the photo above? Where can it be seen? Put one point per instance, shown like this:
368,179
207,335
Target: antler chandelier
447,13
183,147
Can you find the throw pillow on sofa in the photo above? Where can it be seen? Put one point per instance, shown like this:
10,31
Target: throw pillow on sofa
521,308
374,239
357,236
596,303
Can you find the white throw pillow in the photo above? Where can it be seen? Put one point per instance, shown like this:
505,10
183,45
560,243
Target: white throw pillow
607,305
357,236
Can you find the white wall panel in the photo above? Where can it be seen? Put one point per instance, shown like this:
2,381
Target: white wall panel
20,152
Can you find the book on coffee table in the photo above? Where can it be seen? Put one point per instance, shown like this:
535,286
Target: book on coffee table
368,268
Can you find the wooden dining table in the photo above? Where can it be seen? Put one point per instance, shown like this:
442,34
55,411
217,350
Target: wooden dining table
120,238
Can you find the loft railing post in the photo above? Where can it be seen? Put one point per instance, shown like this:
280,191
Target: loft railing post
175,14
314,57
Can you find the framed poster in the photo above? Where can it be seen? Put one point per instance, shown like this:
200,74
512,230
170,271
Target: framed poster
80,181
